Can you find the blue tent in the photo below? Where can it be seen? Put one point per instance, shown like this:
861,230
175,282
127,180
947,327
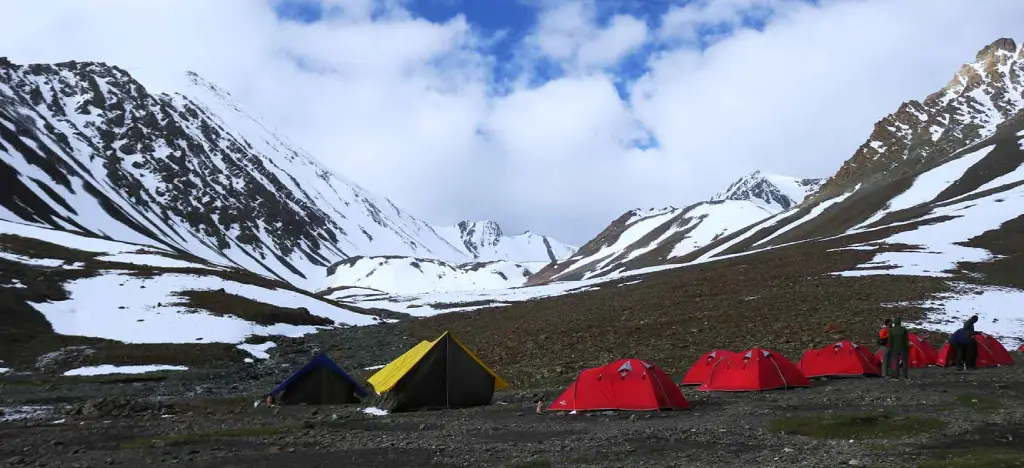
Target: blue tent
319,382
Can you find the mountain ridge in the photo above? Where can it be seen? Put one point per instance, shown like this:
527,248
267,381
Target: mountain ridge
984,97
776,192
981,96
670,232
486,241
88,148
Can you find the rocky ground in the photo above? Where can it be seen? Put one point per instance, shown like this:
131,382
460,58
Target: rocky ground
943,418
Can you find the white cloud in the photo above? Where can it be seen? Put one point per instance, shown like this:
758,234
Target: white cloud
407,107
686,22
799,97
568,33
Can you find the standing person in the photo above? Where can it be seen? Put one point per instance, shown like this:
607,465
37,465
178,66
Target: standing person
959,345
899,349
971,345
883,346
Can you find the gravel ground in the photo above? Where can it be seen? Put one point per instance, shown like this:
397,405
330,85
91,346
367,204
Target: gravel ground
959,414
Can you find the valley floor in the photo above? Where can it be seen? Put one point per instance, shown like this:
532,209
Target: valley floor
943,418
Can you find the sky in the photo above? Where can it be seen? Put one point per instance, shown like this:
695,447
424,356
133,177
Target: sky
554,116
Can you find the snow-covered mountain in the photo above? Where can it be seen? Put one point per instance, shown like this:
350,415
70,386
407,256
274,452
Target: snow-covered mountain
86,147
501,261
667,233
106,185
486,242
129,218
957,142
948,211
774,192
961,147
405,275
980,96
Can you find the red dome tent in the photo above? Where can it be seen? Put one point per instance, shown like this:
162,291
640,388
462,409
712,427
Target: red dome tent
922,354
699,371
999,353
990,353
841,359
626,384
753,370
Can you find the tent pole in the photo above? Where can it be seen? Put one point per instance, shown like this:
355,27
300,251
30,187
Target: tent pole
575,389
777,369
447,371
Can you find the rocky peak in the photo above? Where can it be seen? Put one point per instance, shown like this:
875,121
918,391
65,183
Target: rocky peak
480,228
476,235
981,96
989,52
769,190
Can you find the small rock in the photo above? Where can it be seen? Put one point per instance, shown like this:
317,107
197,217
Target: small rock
157,443
856,463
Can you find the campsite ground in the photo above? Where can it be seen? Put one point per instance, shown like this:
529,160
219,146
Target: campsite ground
944,418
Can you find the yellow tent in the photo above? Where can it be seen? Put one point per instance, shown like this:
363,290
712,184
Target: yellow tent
439,373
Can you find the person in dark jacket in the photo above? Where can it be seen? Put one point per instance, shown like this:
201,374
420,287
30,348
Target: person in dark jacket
899,350
883,346
970,345
958,342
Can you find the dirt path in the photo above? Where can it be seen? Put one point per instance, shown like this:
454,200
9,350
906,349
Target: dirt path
944,418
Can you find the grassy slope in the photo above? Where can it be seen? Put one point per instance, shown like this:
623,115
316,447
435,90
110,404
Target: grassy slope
782,299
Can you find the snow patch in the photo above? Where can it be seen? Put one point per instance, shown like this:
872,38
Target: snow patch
107,369
141,310
43,262
67,239
998,311
716,221
407,275
258,351
855,247
374,411
927,186
633,233
814,213
939,251
152,260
